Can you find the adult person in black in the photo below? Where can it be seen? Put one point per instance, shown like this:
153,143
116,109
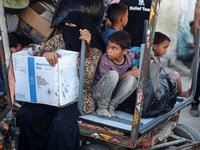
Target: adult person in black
45,127
138,11
194,109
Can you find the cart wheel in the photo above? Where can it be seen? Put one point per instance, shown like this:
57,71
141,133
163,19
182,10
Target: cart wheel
94,147
186,132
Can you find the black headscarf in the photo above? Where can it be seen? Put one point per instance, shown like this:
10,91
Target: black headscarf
71,34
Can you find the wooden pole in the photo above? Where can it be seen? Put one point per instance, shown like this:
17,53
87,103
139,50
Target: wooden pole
144,72
5,57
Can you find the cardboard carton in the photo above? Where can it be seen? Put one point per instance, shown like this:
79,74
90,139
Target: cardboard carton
37,82
32,23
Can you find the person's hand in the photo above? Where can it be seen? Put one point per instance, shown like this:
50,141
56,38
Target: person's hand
134,72
85,35
154,58
52,57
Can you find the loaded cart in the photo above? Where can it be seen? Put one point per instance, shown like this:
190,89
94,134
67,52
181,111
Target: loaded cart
102,133
131,131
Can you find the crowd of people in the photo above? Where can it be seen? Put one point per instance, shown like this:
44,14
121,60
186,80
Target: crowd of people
110,78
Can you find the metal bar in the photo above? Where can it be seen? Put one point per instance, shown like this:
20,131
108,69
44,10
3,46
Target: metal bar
145,128
5,56
196,64
195,145
145,30
176,137
143,72
141,58
4,35
168,144
81,79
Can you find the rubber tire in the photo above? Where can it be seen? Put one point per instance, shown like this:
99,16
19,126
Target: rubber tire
93,147
186,132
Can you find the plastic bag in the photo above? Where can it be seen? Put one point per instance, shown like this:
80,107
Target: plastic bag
94,8
128,105
161,92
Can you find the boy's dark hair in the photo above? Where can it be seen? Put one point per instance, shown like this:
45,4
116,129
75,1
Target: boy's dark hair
160,37
22,39
115,11
122,38
191,23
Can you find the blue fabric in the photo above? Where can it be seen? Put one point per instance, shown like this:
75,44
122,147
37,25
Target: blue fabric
2,86
107,33
183,41
135,50
136,62
187,55
32,84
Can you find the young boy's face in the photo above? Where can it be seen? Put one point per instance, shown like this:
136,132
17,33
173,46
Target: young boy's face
13,50
16,49
115,52
125,19
161,49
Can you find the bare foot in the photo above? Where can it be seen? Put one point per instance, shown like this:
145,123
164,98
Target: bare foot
103,112
185,94
112,112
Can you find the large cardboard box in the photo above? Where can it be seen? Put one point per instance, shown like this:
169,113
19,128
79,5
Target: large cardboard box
37,82
33,23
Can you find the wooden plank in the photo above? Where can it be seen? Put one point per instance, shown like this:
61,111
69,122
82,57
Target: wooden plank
7,68
144,72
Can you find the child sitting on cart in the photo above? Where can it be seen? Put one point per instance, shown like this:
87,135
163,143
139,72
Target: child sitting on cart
113,83
160,45
20,42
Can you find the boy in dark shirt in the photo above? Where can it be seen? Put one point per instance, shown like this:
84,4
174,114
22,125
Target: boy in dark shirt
113,83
